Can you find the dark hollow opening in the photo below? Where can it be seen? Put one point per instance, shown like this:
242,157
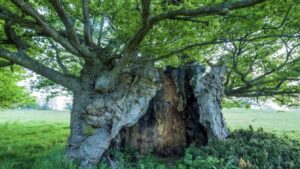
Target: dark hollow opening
165,129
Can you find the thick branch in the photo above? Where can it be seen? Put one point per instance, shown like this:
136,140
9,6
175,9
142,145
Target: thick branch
222,9
255,80
5,64
12,37
60,64
238,50
58,60
258,80
183,13
214,42
148,21
133,43
263,93
170,54
24,60
87,25
8,16
141,33
50,30
66,19
190,19
285,18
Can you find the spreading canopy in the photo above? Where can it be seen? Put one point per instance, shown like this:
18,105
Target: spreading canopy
258,40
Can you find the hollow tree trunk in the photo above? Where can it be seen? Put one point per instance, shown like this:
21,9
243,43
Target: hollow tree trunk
162,112
97,117
187,110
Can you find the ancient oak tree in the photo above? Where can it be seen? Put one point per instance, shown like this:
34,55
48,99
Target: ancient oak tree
157,66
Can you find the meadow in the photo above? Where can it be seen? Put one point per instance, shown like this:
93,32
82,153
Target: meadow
28,135
279,122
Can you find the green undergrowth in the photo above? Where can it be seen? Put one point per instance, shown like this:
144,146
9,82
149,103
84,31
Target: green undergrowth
41,146
245,149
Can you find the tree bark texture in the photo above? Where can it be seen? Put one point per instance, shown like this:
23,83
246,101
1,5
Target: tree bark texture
97,118
187,110
147,110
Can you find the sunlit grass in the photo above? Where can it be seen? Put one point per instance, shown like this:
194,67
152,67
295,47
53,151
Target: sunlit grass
279,122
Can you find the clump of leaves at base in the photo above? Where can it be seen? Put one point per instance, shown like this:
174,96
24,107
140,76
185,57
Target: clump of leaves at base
128,160
246,149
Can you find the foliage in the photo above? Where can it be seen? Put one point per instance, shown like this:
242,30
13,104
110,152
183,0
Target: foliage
235,102
192,160
245,149
12,95
128,160
258,43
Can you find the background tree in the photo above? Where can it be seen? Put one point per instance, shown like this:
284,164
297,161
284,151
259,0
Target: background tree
11,94
104,52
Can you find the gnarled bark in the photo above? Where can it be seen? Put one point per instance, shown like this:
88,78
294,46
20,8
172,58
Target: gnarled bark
97,118
187,110
163,112
209,90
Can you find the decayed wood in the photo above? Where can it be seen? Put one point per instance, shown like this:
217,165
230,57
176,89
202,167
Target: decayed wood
187,110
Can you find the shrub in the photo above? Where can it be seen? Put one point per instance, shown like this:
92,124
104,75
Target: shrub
127,160
195,158
247,149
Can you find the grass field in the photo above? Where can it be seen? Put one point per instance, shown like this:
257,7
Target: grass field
27,135
279,122
35,116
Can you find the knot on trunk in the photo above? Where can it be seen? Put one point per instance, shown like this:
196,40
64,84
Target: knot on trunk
106,82
99,113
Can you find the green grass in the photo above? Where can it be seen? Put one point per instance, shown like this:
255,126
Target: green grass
29,116
22,143
278,122
28,135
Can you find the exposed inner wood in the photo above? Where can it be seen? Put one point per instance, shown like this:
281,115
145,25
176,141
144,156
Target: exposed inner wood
172,121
